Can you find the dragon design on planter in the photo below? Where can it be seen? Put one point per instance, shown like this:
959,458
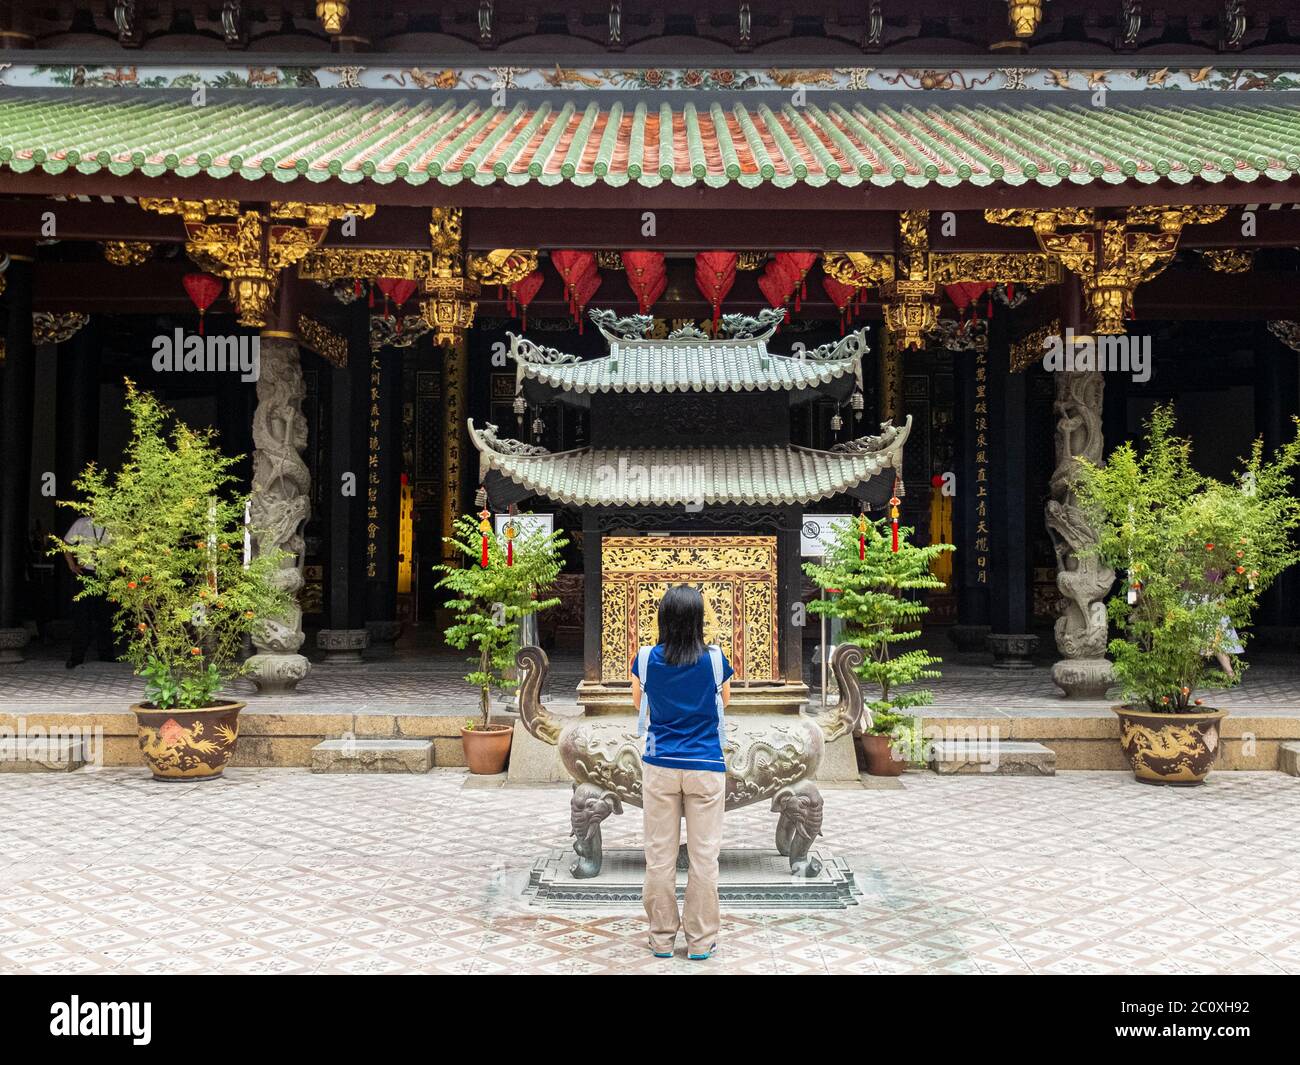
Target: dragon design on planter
767,760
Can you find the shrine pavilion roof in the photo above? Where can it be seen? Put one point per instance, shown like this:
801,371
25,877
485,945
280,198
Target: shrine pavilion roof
689,361
842,138
754,476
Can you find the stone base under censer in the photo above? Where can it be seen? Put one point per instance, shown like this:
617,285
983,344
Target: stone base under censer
748,878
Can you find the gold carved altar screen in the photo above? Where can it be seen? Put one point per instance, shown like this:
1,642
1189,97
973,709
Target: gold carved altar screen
736,574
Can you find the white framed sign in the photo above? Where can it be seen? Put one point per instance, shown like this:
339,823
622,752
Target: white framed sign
526,525
816,532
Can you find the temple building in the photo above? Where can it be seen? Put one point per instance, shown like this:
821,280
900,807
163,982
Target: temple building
362,241
690,435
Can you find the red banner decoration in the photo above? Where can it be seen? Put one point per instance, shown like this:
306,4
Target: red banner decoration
715,273
524,292
203,290
646,276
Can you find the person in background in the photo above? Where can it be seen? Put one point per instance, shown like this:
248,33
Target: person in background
89,613
1226,642
680,687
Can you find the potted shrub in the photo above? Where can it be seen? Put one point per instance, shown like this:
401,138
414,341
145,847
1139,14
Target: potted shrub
1197,553
868,584
172,565
491,594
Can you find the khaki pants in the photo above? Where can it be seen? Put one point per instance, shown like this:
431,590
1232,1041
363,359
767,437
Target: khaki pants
665,795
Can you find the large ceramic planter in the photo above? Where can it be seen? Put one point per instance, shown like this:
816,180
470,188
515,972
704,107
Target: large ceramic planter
1170,748
487,749
187,744
880,756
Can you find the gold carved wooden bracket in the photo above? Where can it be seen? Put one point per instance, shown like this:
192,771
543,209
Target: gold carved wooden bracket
249,247
910,280
1112,256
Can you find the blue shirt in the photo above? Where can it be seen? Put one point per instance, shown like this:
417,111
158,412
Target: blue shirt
683,713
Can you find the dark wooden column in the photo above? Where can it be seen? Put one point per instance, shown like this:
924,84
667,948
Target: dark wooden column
18,383
1010,641
77,435
384,442
345,491
1277,401
971,417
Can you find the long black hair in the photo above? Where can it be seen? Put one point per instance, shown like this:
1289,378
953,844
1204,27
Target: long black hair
681,625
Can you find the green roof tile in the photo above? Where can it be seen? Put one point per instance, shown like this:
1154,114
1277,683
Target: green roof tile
753,476
946,138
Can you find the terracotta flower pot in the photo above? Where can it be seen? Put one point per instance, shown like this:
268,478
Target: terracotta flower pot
1170,748
187,744
487,748
880,756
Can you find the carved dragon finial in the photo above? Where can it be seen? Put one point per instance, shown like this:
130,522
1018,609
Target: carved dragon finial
534,664
632,327
752,327
840,719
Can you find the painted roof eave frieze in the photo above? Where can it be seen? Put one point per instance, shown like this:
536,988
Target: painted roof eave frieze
930,76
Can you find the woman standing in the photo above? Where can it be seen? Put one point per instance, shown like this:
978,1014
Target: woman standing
680,687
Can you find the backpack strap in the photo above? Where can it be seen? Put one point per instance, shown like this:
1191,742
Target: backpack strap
642,667
715,658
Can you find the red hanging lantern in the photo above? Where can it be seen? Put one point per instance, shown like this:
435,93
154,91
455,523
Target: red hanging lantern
510,543
524,292
777,284
582,294
203,290
645,273
841,295
862,538
399,290
575,268
797,264
964,293
715,273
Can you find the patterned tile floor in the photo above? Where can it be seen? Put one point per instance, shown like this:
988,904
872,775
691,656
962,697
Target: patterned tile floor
431,683
274,871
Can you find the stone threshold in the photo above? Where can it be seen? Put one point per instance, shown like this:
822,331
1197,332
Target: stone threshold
286,738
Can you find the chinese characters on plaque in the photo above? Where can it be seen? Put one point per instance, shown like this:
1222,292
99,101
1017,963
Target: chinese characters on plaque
980,420
372,484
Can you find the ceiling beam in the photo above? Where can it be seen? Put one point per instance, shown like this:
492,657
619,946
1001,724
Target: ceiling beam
676,230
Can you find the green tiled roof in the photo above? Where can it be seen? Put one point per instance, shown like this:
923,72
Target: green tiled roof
756,476
689,365
360,136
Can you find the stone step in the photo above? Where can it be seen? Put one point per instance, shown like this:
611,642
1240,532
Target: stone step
349,755
1006,758
37,754
1288,758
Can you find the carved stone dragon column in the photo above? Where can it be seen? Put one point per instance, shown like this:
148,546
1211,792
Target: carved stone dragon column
279,507
1082,578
